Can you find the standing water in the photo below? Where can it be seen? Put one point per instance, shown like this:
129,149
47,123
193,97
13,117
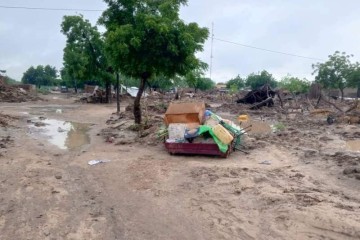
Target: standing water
63,134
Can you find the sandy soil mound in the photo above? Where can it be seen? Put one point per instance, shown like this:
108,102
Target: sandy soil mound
5,120
14,94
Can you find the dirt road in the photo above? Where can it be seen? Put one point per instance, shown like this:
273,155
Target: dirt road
144,193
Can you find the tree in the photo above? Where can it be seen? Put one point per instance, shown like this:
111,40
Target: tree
257,80
205,84
235,83
354,78
193,78
84,54
40,76
160,82
8,80
335,72
294,84
146,38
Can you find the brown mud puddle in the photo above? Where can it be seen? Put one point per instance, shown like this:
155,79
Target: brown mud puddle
63,134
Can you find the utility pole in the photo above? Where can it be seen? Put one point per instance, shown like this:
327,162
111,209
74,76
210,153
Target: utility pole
118,92
212,45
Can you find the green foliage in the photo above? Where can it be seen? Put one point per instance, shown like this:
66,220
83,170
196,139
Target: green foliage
279,126
43,90
354,78
195,79
10,81
147,38
161,82
40,76
294,84
335,72
205,84
235,84
233,88
84,55
258,80
162,132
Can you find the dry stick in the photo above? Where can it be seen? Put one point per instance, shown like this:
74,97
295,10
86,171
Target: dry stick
281,101
353,107
239,149
332,104
246,127
318,101
296,101
260,103
309,102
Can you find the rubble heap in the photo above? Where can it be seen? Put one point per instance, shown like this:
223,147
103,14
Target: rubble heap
260,97
10,93
5,120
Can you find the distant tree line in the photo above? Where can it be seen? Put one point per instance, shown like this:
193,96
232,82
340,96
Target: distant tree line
256,80
338,72
40,76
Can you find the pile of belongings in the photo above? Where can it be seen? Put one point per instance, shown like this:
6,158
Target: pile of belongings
191,123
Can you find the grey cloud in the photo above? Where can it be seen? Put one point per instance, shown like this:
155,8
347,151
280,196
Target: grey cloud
309,28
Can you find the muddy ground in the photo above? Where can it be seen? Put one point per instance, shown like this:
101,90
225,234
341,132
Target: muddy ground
308,187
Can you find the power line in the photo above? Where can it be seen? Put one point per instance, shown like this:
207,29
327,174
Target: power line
212,45
51,9
213,38
268,50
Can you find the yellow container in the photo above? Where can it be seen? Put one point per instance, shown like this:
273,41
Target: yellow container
243,118
222,134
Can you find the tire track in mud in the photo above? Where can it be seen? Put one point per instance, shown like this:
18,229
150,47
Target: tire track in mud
53,198
255,203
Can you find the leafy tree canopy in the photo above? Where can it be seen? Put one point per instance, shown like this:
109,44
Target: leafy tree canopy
84,55
335,72
205,84
40,76
236,83
354,78
257,80
294,84
145,38
194,78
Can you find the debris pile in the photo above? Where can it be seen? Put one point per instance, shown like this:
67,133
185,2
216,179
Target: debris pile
121,129
10,93
261,97
193,130
5,120
4,141
95,94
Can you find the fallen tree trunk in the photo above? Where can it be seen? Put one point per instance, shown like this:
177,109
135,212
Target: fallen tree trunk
259,97
269,101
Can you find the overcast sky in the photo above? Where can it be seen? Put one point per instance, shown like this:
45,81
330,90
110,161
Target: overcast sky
308,28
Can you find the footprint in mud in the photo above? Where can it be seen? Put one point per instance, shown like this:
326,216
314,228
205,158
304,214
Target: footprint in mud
146,157
352,172
307,200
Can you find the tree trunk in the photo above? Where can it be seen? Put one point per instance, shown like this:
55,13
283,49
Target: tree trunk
342,94
75,83
358,91
117,93
107,91
137,107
